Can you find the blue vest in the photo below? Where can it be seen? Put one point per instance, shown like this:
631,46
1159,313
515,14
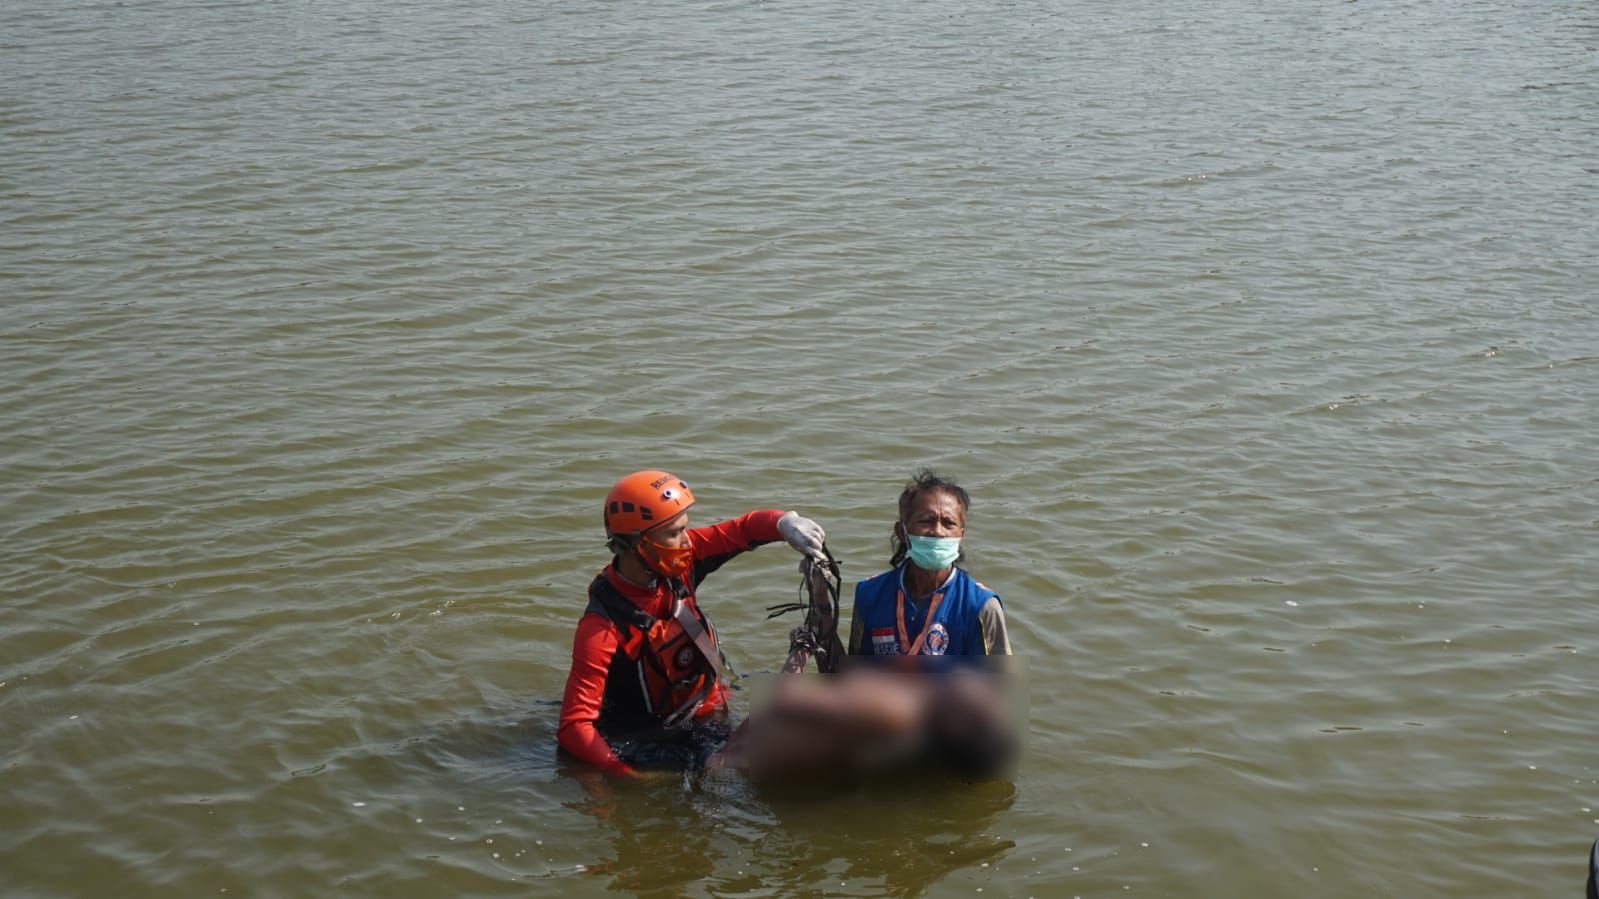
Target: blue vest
953,630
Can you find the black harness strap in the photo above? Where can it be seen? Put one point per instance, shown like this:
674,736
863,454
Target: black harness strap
605,601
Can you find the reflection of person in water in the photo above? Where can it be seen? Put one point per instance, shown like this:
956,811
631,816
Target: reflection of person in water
887,835
922,839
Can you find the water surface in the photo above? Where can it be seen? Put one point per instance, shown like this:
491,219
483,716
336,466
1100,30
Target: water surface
1263,336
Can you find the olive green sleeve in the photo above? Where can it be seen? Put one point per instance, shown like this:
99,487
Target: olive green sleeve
991,619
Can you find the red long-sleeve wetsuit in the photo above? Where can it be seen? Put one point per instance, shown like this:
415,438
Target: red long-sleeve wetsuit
584,707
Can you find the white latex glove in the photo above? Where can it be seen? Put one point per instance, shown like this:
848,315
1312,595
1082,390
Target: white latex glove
803,534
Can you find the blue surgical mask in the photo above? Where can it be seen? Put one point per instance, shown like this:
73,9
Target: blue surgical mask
933,553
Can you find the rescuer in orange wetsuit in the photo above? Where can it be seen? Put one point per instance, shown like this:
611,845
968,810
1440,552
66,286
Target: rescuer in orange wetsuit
647,687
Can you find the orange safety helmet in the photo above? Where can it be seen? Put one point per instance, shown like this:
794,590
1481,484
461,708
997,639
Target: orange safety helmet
643,500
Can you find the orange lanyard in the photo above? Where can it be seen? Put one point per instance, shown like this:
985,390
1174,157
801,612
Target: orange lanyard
904,636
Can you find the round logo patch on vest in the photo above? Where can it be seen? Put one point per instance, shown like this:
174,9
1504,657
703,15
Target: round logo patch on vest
937,640
685,657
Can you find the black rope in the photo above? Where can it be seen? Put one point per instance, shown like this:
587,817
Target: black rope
809,636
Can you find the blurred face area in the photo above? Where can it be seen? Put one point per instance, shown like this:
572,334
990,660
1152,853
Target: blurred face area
968,728
665,548
935,513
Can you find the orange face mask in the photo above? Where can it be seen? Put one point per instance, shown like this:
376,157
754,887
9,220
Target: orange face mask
667,560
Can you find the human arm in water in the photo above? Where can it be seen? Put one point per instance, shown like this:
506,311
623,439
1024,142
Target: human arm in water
593,647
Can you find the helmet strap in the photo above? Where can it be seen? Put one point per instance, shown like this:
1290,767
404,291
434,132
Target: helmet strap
621,544
628,558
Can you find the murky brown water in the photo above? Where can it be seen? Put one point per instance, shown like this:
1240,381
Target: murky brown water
1264,337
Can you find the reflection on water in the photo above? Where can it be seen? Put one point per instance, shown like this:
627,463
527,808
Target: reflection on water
1264,339
906,835
896,836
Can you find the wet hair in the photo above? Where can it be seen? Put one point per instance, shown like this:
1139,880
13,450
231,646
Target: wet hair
923,481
